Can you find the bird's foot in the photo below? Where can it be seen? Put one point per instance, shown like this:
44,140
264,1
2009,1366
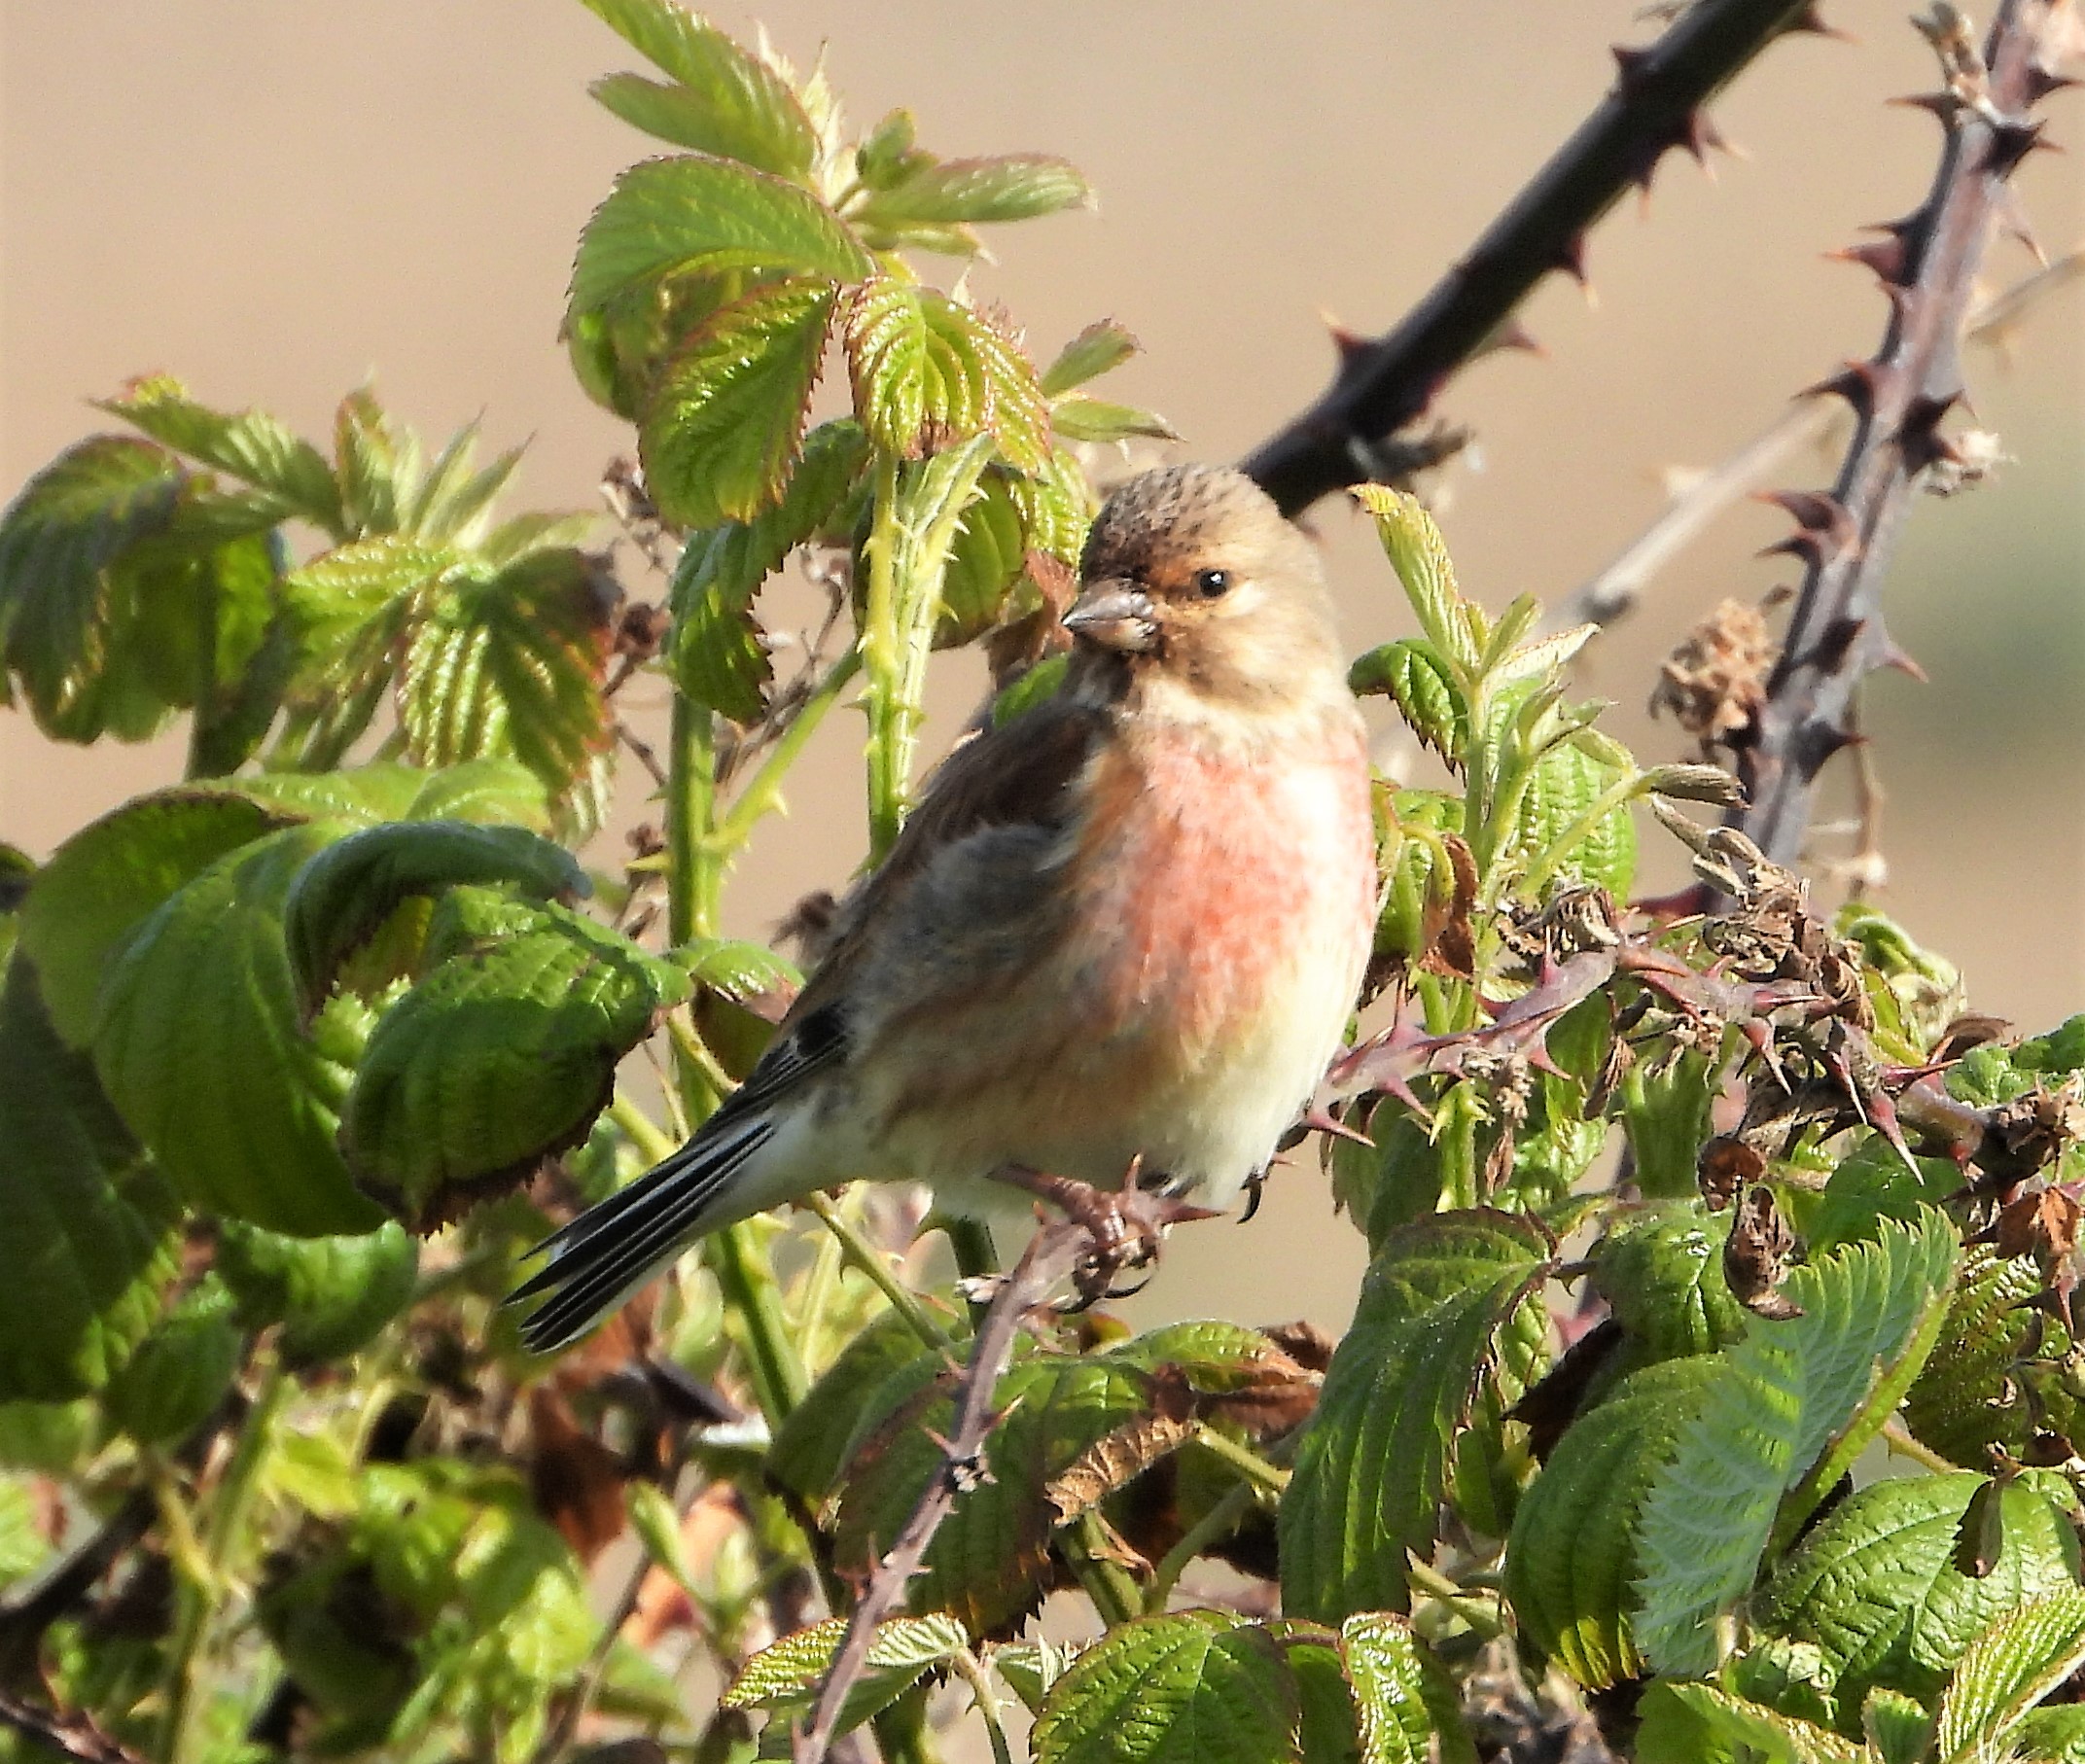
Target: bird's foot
1123,1227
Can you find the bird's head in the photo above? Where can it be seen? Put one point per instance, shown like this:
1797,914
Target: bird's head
1192,576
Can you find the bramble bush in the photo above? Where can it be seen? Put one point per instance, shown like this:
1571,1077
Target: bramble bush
1673,1212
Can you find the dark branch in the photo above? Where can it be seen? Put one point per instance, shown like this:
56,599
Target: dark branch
1927,266
1655,106
77,1736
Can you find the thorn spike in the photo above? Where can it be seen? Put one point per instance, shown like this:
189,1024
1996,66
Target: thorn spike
1890,259
1570,258
1857,382
1630,65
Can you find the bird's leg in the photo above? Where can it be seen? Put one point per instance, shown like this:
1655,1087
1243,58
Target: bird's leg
1123,1226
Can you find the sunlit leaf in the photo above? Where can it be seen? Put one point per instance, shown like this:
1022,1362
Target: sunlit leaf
1011,187
1096,350
250,445
332,1295
181,1370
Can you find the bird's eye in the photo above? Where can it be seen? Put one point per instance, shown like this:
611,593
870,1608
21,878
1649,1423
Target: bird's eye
1212,585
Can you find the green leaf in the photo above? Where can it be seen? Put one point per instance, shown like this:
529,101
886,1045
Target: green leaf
1370,1466
501,1056
985,566
902,1651
716,653
374,462
943,192
513,665
697,213
1662,1276
724,100
1422,687
1876,1589
724,425
1573,1553
927,369
1407,1705
2053,1735
2062,1049
2011,1667
1097,419
1996,1345
1566,784
252,445
181,1370
1098,349
338,900
1700,1725
89,1242
1199,1685
102,882
22,1548
1794,1402
1897,1728
333,1296
59,619
1420,557
198,1044
875,1372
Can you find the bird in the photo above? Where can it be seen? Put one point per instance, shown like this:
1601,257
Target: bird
1121,937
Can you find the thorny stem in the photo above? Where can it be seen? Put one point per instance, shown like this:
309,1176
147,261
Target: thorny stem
1084,1547
887,735
762,792
691,887
1655,105
221,1534
1481,1617
1836,635
974,1675
863,1257
1268,1479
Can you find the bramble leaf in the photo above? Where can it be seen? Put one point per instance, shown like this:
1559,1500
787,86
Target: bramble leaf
1662,1276
2008,1669
1755,1459
1423,688
952,193
89,1241
1573,1553
724,99
1407,1706
1371,1468
1098,349
333,1296
1566,784
1701,1724
252,445
197,1041
902,1651
1199,1684
181,1370
927,371
500,1056
1420,557
341,898
666,217
1097,419
102,882
723,424
1877,1591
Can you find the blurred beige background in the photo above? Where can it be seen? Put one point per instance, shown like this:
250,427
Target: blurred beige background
276,199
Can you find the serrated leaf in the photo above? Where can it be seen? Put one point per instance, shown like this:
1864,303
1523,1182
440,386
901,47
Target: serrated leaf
486,792
196,1039
722,101
250,445
1662,1276
1413,674
341,898
1791,1390
1897,1728
699,213
984,565
1420,557
1372,1459
875,1372
2008,1669
723,424
1100,348
1406,1704
714,650
1701,1724
1197,1686
332,1295
1566,784
902,1651
1011,186
926,370
103,881
375,464
61,628
1995,1342
1665,1116
513,665
1573,1553
500,1056
2053,1735
181,1370
90,1239
1875,1588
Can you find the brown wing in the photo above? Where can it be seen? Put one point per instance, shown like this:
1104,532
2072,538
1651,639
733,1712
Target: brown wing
1017,775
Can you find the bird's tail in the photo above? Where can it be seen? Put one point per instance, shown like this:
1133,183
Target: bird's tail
611,1249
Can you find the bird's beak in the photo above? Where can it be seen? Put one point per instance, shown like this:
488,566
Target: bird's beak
1115,616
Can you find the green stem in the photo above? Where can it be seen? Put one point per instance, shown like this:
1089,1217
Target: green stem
974,1675
763,793
888,746
1481,1617
859,1253
748,1282
1115,1595
970,1241
1217,1523
1249,1464
220,1533
652,1146
694,876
